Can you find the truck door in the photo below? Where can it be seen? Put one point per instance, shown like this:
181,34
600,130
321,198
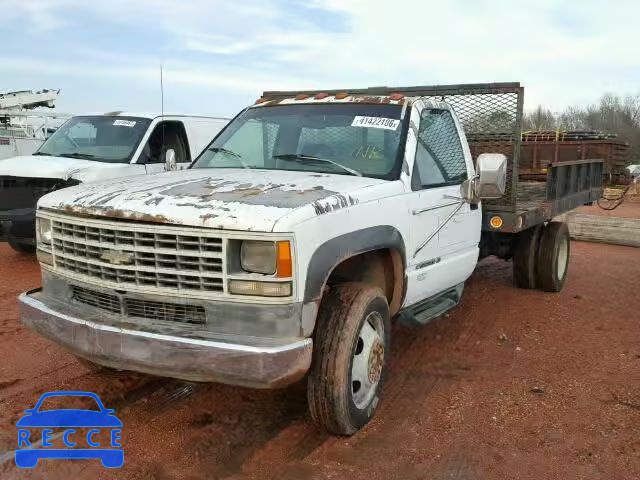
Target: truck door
445,231
168,134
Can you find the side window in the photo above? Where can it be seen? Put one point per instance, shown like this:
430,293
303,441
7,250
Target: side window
166,135
439,156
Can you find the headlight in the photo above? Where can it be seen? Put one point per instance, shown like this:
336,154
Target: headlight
44,231
258,257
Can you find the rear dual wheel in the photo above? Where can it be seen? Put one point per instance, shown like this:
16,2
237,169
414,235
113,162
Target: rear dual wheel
553,257
541,257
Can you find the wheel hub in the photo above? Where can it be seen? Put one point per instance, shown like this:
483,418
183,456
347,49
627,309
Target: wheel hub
376,359
368,360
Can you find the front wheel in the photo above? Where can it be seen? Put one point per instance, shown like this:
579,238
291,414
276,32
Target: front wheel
351,346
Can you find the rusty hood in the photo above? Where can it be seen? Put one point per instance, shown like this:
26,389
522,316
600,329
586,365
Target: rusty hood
235,199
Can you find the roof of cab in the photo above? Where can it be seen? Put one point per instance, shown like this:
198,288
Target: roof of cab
151,116
393,99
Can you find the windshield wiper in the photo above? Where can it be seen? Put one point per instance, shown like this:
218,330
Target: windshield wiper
39,153
310,158
229,152
84,156
224,150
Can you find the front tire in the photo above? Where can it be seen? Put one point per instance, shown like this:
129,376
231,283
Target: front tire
553,257
21,246
351,346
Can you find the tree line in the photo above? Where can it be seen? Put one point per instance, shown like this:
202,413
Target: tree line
613,114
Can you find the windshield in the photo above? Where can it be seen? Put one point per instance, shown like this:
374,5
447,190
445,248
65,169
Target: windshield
102,138
346,139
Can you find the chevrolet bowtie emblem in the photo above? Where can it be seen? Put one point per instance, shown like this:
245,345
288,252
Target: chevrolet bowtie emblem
117,257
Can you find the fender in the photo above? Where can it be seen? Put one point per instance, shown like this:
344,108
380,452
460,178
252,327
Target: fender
338,249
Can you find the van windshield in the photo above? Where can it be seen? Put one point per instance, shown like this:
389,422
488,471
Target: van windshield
341,138
102,138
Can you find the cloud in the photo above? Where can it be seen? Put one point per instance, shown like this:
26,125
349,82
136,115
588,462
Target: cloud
561,55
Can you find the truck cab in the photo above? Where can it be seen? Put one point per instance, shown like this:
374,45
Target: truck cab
91,148
308,225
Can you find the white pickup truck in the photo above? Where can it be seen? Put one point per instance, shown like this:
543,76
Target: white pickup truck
90,148
309,223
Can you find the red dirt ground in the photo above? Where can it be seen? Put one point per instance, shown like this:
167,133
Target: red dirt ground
460,402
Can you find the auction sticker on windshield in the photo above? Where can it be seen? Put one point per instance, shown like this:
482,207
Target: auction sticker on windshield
375,122
124,123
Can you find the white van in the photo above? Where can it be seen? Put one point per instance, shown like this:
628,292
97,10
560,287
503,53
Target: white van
89,148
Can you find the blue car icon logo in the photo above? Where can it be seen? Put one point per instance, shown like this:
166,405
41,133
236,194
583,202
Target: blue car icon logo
27,456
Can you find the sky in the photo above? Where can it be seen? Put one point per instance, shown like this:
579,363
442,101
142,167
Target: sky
219,55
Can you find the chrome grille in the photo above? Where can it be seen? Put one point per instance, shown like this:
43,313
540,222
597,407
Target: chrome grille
132,307
170,312
111,303
134,257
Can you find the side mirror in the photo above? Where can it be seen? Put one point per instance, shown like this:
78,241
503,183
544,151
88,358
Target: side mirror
491,178
170,160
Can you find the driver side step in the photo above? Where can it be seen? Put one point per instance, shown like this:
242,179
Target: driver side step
430,308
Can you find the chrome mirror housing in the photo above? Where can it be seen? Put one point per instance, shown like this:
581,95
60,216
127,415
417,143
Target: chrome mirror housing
170,160
491,179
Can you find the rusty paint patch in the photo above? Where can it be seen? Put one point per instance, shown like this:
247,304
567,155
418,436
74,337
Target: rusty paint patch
153,201
396,97
97,211
341,95
301,96
368,99
192,204
335,202
321,95
208,216
267,194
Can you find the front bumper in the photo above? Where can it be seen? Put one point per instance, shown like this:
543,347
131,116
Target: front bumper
260,363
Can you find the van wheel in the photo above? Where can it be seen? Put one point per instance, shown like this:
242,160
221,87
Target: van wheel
351,347
553,257
524,257
22,246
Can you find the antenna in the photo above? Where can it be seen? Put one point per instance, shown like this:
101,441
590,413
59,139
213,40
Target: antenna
162,113
161,94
